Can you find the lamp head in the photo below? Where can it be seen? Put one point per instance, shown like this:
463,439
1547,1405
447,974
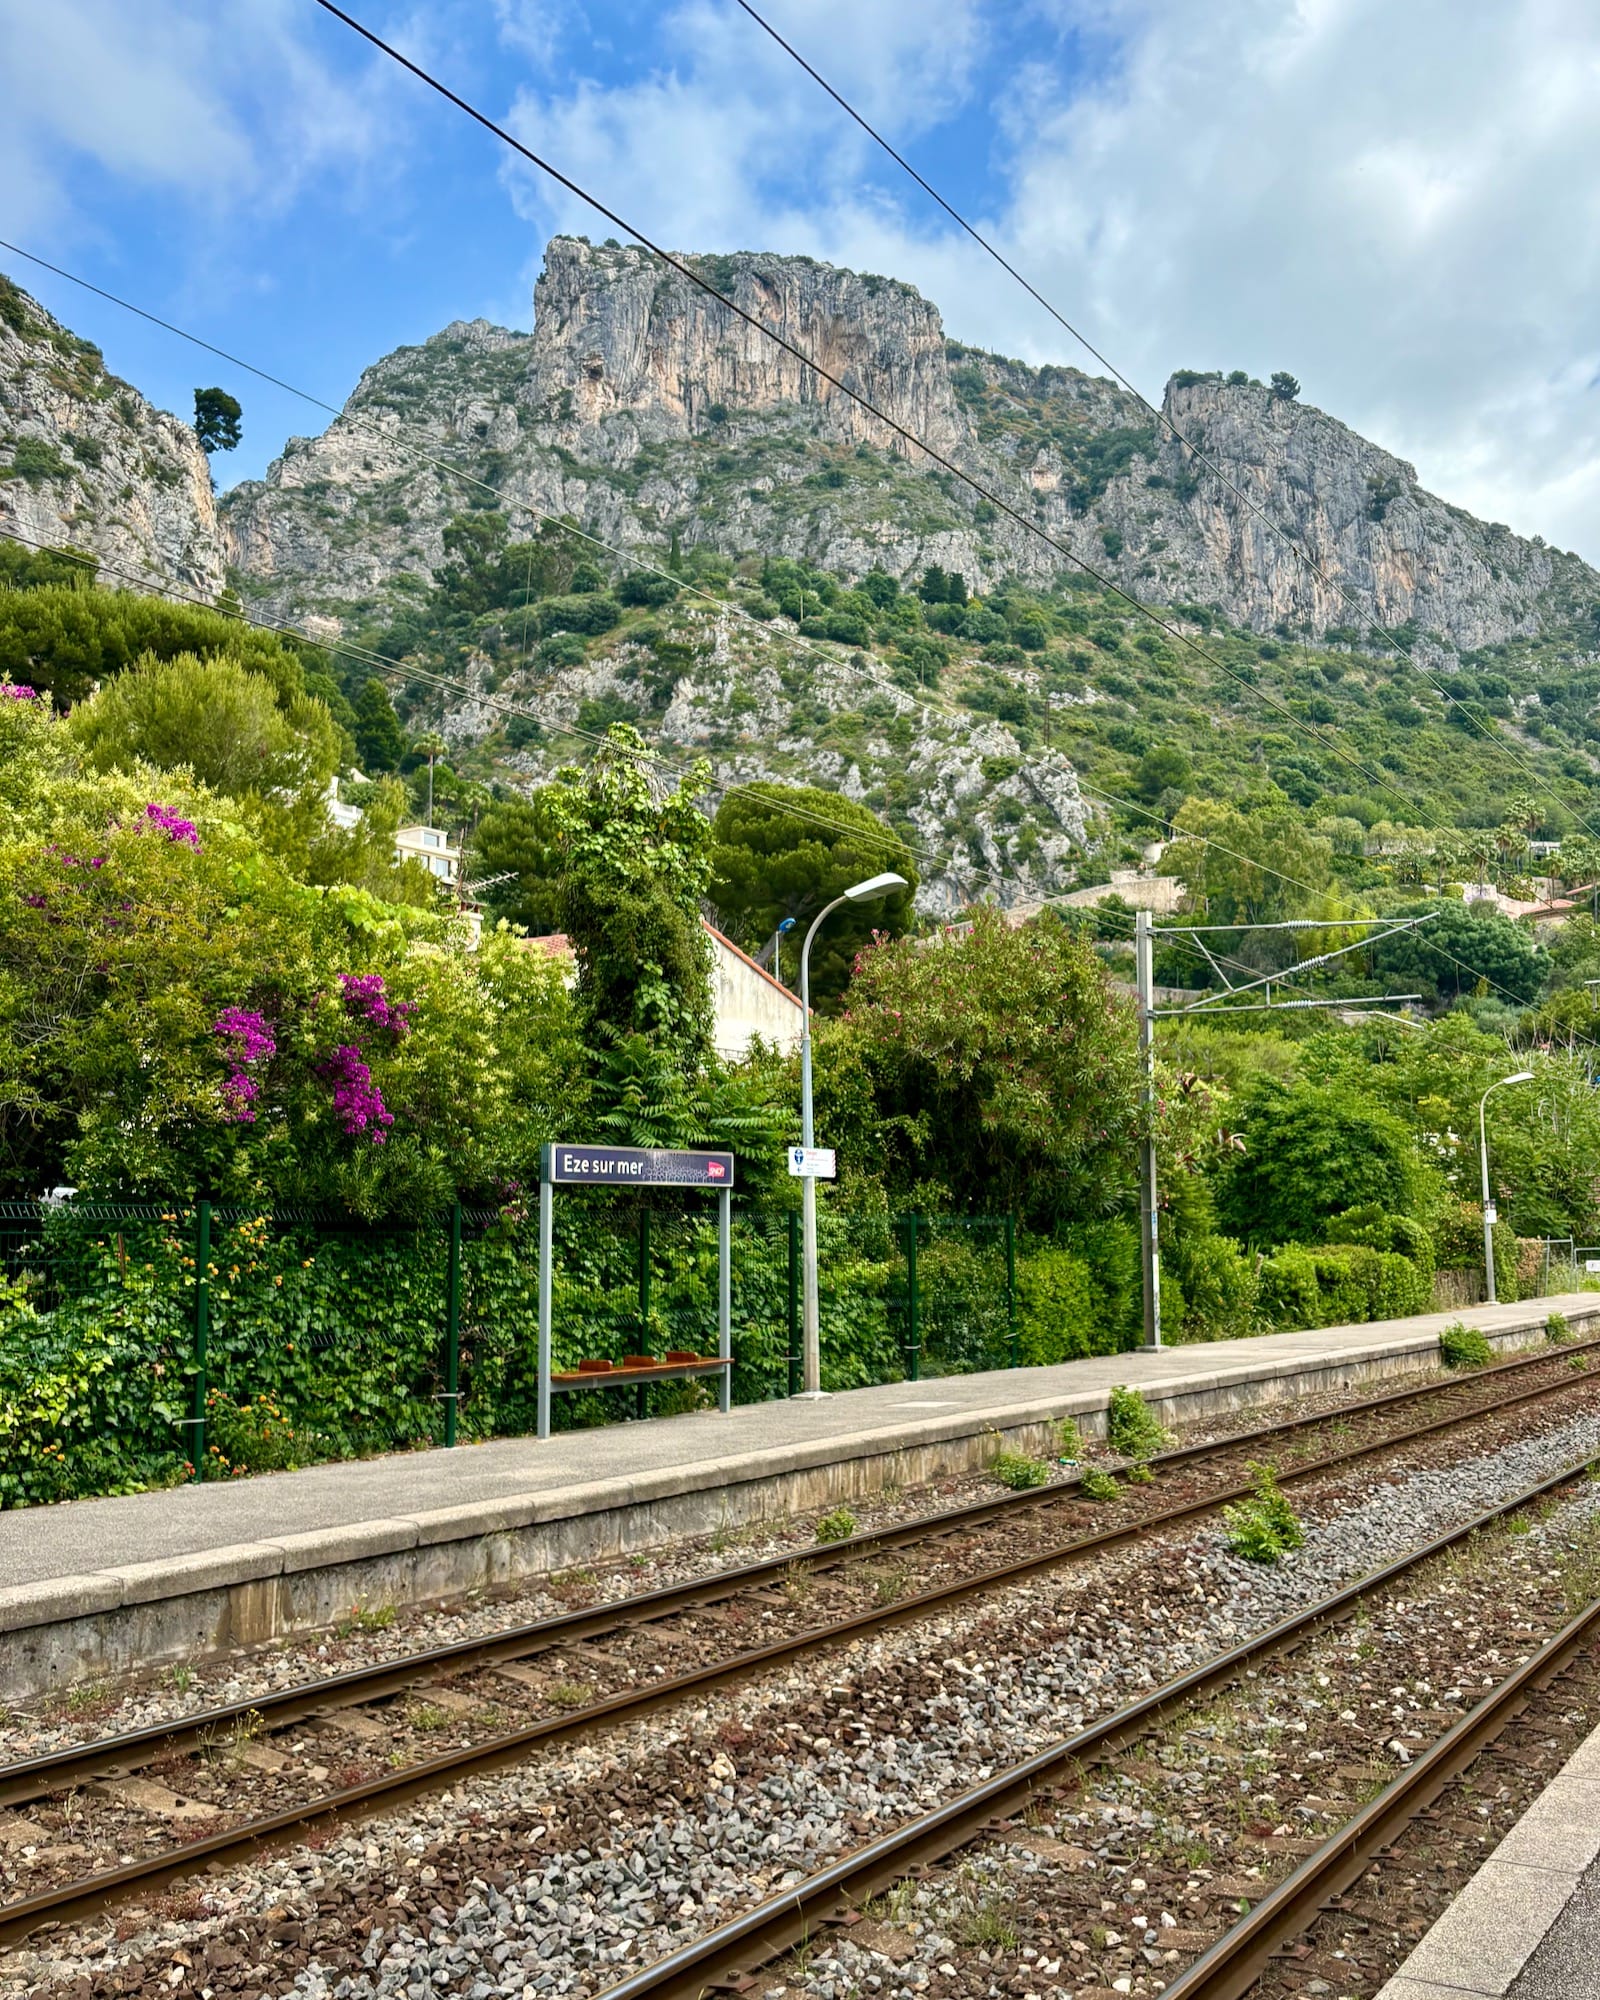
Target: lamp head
786,926
874,887
1522,1076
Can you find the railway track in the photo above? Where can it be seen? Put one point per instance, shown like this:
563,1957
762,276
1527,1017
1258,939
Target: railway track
245,1730
726,1958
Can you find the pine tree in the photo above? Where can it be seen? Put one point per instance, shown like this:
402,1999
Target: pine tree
380,741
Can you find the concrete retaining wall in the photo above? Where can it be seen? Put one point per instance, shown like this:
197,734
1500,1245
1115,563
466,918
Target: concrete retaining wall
224,1599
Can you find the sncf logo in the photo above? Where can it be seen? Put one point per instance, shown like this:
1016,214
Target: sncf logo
716,1171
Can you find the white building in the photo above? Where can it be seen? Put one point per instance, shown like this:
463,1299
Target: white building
431,846
746,1002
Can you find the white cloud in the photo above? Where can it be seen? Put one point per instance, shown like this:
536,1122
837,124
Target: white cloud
1396,203
173,96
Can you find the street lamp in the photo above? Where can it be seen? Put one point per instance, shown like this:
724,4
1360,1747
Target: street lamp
811,1345
1522,1076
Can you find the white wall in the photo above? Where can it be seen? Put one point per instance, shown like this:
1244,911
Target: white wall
749,1002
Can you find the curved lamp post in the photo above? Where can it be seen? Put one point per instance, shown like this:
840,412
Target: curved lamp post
870,891
1522,1076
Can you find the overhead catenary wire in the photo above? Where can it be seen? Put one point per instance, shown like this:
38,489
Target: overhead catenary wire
1345,594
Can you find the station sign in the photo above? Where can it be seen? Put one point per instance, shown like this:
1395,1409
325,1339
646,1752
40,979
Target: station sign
634,1166
813,1162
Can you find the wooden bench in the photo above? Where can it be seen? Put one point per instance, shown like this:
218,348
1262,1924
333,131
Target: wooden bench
636,1371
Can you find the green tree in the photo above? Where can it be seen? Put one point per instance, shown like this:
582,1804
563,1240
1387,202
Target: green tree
635,864
1460,945
380,741
1313,1150
935,586
214,718
993,1070
63,638
1161,769
218,420
1284,386
515,838
785,851
1248,867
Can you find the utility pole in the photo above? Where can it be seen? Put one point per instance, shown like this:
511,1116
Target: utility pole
1149,1242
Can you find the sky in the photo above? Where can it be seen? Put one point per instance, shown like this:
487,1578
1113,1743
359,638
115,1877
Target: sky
1396,200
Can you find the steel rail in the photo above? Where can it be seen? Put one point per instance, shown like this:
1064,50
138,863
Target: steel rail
115,1757
1230,1967
73,1901
33,1778
724,1957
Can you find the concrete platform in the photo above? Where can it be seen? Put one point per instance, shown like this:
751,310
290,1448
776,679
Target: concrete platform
1527,1926
101,1586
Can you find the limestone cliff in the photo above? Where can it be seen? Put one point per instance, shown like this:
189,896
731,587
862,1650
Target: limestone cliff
1378,548
639,405
86,462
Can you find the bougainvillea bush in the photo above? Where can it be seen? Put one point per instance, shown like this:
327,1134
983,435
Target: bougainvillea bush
180,1016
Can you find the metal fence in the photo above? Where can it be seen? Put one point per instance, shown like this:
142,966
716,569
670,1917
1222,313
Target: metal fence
233,1339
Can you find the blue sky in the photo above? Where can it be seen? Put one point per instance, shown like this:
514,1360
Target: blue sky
1397,203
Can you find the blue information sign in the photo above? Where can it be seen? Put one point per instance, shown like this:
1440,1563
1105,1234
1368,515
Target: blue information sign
634,1166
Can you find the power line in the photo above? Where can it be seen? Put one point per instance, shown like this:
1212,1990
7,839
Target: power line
1343,591
995,499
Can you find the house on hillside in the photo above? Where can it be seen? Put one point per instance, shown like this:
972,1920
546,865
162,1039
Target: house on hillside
431,846
746,1001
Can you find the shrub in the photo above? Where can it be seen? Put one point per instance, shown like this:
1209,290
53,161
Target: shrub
1264,1527
1556,1329
1058,1317
640,587
1069,1440
1339,1284
1095,1485
35,460
838,1526
1219,1288
1016,1470
1131,1428
1463,1347
590,612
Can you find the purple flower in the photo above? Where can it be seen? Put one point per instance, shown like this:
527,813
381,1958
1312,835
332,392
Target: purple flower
35,902
249,1032
18,692
365,998
239,1094
357,1100
250,1039
174,827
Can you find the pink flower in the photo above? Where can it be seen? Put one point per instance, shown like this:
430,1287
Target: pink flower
172,825
365,999
250,1039
18,691
357,1100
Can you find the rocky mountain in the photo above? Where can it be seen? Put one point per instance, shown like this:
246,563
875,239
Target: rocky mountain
86,461
839,610
640,406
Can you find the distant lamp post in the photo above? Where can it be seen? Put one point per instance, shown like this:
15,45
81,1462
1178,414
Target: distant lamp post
1489,1217
776,947
869,891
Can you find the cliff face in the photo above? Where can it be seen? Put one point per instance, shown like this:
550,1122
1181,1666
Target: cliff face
1387,551
86,462
639,405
